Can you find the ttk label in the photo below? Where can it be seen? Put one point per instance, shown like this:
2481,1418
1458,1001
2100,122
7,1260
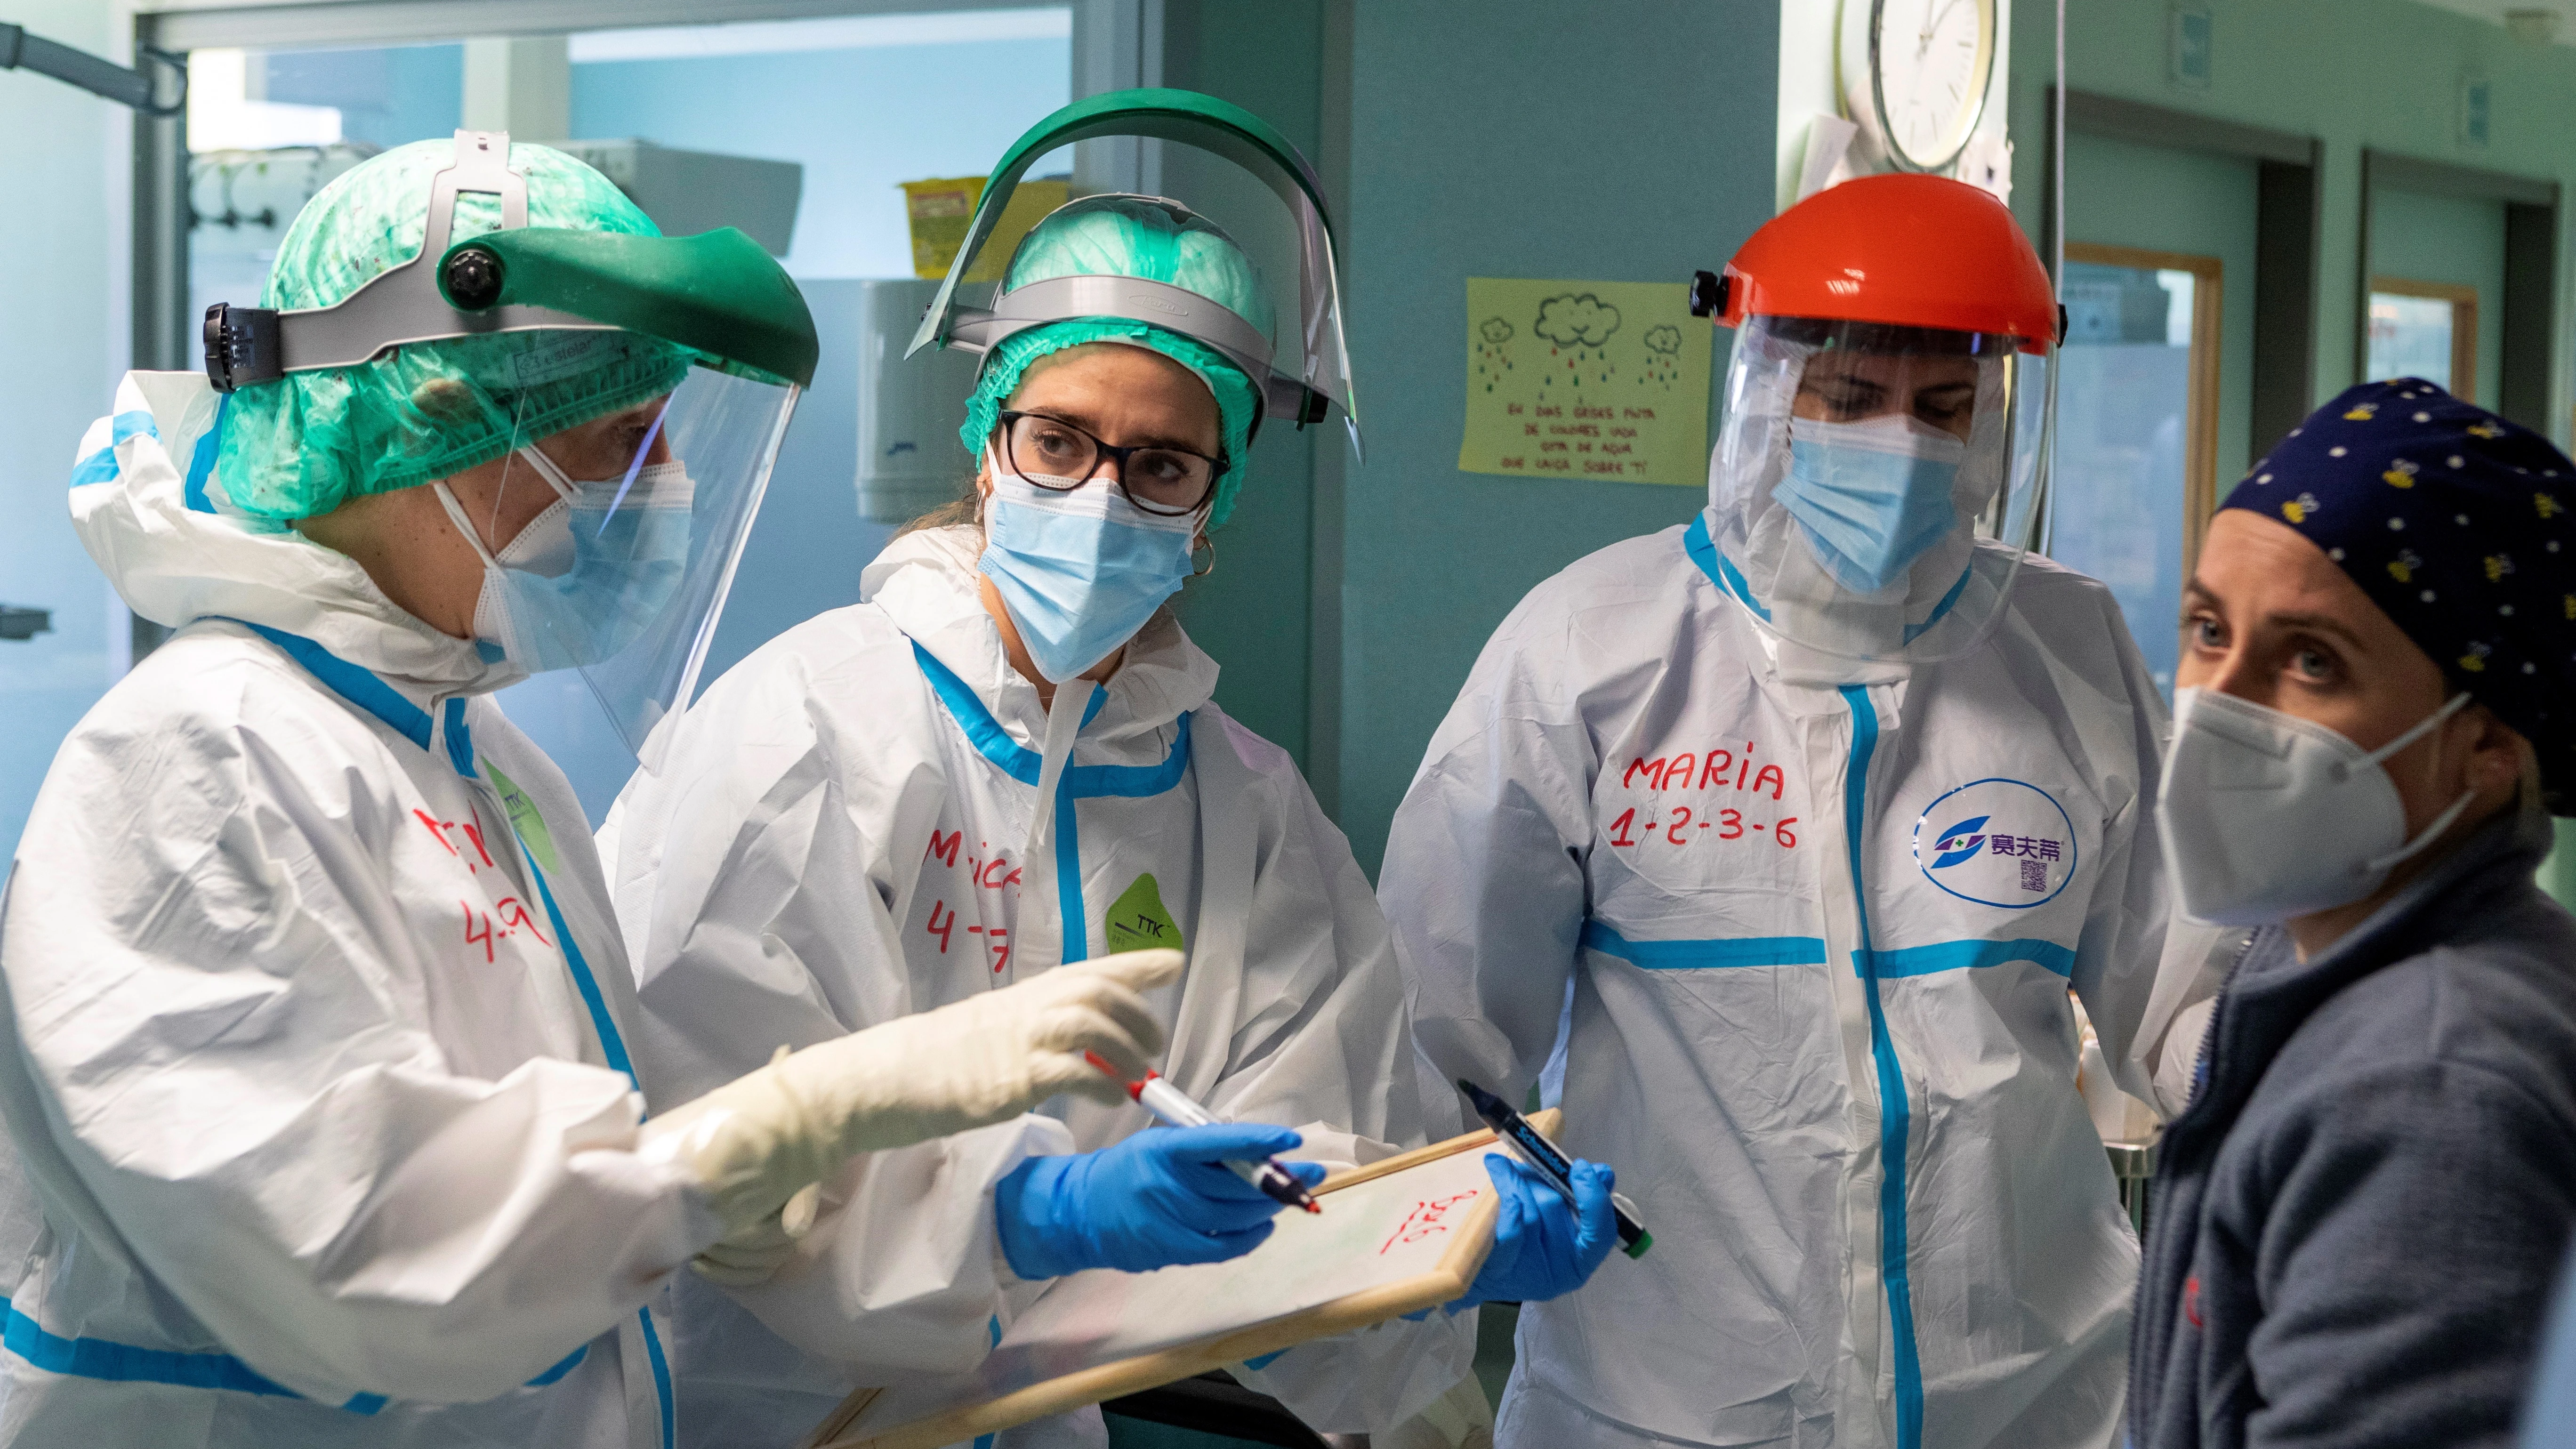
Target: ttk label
1998,843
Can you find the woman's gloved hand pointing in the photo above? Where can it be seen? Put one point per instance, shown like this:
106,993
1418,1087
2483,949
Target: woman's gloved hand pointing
1161,1197
758,1140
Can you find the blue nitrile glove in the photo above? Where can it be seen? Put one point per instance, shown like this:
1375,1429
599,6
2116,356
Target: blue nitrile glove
1161,1197
1543,1248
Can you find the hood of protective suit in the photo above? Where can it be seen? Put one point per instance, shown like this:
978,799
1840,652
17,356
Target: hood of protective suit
1792,588
149,505
926,582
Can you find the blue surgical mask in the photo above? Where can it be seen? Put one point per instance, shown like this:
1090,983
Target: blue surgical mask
1081,571
586,577
1871,497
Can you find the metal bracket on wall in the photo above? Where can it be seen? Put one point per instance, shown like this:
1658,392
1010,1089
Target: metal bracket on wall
103,78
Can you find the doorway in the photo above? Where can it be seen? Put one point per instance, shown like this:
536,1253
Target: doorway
2437,282
2155,403
2137,424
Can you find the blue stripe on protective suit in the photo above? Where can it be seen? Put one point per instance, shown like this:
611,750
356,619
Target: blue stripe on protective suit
460,739
1077,782
1968,955
201,463
1705,955
99,1358
661,1378
1696,543
1895,1112
349,681
125,1363
99,467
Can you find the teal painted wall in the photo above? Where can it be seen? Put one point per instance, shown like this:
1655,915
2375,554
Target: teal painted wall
1619,140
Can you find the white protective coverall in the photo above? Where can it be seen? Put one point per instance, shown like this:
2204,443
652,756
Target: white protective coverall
836,838
1832,1063
317,1027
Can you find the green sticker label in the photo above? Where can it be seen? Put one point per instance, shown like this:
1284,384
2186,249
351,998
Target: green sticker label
1138,922
524,818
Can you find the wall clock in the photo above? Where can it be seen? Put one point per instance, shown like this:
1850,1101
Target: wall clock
1914,75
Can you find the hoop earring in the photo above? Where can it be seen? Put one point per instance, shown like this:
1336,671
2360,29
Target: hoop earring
1210,545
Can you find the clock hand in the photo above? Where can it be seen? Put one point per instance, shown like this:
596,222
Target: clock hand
1923,45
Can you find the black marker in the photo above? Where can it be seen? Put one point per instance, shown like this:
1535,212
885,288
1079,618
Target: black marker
1551,1162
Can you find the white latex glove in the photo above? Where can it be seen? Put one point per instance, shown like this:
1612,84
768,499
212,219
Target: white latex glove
764,1138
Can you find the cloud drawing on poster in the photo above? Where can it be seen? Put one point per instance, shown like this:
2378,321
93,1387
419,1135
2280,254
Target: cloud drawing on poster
1663,354
1576,320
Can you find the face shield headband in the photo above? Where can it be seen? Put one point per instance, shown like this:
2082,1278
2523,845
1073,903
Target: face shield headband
1301,388
717,294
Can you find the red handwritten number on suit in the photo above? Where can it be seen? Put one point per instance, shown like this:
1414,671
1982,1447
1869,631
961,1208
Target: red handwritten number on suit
483,937
514,914
1427,1217
942,929
1684,826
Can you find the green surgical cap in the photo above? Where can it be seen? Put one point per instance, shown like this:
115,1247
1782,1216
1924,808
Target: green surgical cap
1131,236
311,441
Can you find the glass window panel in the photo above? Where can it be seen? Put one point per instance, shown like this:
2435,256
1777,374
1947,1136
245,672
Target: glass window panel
2123,421
2410,337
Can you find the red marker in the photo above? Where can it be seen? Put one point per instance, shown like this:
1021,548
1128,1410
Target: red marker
1173,1108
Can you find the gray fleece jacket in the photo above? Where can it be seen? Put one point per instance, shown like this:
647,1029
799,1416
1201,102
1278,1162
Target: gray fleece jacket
2356,1222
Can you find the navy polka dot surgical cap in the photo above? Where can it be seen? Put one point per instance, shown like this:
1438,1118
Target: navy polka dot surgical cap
2456,523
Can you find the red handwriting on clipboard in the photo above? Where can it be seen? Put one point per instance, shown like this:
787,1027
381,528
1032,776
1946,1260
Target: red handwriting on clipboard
1428,1218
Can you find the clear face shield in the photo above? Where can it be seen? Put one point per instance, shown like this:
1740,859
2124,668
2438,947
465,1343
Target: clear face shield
1876,487
638,516
639,521
1302,376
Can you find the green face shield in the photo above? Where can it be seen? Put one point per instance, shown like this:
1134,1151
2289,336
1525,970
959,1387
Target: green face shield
647,487
1299,378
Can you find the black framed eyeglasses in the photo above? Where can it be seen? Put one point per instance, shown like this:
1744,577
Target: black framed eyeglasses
1061,456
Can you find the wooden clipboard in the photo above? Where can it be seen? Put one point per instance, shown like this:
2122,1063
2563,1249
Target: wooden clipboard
995,1397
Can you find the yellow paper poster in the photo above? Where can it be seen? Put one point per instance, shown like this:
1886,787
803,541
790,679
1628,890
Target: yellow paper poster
1599,380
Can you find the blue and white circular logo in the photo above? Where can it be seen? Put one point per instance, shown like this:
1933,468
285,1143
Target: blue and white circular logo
1997,842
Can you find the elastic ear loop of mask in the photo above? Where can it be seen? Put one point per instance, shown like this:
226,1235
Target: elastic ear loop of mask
464,525
2385,752
518,412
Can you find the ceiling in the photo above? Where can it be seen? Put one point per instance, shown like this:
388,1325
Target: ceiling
2494,10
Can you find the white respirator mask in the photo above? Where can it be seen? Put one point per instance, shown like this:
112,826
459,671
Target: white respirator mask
2265,816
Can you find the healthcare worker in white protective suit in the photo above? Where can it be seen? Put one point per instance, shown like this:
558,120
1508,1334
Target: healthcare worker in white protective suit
1805,817
317,1043
1006,758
